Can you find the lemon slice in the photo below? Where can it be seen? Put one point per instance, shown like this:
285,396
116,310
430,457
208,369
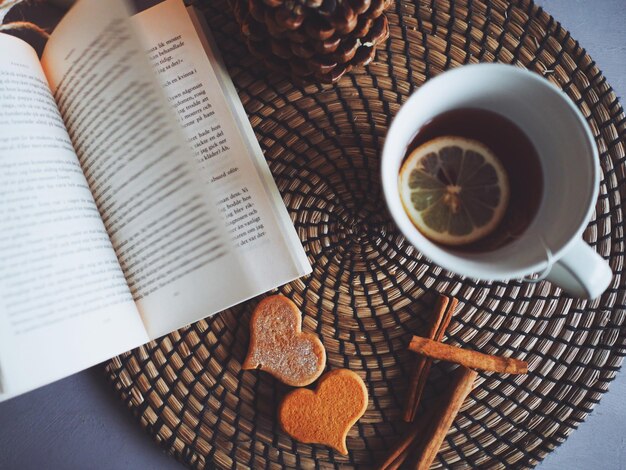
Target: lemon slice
455,190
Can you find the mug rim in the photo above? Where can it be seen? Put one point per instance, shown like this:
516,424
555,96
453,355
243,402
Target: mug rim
415,237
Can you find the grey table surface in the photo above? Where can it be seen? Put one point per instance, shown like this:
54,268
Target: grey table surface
78,423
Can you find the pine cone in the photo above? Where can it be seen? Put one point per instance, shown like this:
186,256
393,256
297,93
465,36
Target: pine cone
313,39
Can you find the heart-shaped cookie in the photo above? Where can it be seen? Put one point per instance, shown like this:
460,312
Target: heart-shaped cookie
325,416
278,345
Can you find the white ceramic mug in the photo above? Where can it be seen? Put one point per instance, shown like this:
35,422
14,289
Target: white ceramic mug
552,244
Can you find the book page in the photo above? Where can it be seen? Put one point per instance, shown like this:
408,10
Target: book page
171,245
227,153
64,302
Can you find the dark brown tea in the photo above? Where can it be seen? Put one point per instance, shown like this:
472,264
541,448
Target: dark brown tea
516,153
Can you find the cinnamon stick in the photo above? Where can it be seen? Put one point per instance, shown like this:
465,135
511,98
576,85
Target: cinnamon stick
430,442
402,449
467,357
420,437
445,322
441,331
439,324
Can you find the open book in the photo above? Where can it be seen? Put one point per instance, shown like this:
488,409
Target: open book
134,197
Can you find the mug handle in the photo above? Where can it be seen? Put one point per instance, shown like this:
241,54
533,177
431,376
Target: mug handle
581,272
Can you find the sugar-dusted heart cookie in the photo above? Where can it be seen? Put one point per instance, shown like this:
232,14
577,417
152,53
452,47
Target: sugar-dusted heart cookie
278,345
325,416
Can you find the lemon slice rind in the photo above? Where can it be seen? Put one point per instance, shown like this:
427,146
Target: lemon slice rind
417,216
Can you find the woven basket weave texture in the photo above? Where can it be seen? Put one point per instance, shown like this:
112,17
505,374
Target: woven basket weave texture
370,290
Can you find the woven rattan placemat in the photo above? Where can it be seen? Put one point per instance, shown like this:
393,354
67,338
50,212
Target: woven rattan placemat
370,290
